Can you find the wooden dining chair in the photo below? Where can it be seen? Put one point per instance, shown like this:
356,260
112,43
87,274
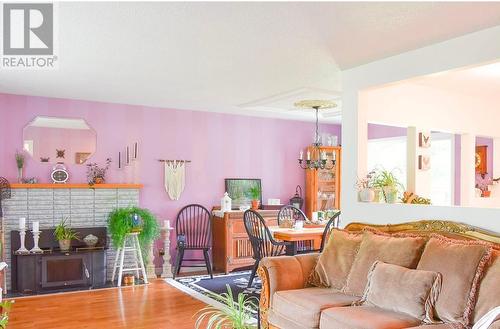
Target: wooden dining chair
333,222
193,228
287,216
263,243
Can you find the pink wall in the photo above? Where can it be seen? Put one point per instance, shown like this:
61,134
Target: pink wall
219,146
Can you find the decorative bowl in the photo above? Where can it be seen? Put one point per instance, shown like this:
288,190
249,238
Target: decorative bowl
90,240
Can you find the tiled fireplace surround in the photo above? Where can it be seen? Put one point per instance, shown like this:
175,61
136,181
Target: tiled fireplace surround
84,207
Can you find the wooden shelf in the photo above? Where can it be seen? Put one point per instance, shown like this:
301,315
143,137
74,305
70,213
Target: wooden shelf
76,186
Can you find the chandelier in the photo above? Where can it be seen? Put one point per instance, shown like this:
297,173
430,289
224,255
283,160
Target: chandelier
316,160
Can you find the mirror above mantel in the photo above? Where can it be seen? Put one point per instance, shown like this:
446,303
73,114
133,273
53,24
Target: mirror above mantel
53,140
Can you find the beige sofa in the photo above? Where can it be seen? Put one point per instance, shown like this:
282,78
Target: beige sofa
289,301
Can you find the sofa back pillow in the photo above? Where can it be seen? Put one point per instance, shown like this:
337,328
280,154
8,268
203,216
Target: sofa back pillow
461,264
399,289
335,262
399,249
488,296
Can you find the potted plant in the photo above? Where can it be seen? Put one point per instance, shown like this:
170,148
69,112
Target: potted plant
64,234
96,174
234,315
123,221
20,165
388,183
254,195
365,187
5,305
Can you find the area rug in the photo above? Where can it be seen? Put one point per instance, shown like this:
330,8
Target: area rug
200,286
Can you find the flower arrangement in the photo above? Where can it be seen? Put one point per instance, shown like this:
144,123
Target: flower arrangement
366,181
96,174
20,160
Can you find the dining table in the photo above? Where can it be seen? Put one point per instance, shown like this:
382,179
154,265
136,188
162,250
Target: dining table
312,233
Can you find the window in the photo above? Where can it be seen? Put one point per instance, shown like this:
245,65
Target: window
389,154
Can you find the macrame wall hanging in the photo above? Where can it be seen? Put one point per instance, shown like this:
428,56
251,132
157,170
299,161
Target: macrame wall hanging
175,177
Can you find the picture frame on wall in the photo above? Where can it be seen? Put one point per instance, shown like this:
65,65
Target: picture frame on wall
424,139
238,188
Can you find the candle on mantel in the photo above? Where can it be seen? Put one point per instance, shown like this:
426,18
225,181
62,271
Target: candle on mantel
22,223
166,223
136,150
36,226
128,156
119,160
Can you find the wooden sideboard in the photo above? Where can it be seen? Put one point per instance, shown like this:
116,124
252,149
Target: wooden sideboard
231,246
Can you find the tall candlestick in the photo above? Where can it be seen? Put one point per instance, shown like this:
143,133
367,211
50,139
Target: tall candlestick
22,249
22,223
166,223
36,249
167,267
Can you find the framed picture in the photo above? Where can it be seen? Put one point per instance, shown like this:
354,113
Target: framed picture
424,162
424,139
239,188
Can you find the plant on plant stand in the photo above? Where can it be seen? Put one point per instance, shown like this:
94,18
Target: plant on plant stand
234,315
389,184
123,221
64,234
254,195
365,187
96,174
20,165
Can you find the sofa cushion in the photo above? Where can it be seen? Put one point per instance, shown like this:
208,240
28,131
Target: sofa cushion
282,322
399,249
440,326
335,262
489,290
461,264
365,317
396,288
303,306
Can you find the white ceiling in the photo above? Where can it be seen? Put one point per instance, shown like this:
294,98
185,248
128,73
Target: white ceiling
226,57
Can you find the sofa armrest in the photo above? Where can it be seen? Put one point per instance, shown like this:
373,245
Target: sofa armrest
283,273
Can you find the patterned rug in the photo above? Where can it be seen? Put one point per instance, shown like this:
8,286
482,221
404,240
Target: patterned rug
200,286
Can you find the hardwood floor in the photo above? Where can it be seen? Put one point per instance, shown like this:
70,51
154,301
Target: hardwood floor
155,306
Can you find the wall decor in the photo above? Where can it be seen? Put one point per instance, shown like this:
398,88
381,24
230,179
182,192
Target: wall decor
239,189
481,159
60,153
42,159
82,157
175,177
59,174
424,162
424,139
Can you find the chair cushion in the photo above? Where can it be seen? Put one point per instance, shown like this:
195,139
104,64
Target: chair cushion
399,249
303,306
461,264
365,317
489,290
335,262
396,288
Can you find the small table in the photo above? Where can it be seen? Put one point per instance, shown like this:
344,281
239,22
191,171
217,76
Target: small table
293,236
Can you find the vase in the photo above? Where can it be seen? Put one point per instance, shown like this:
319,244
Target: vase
255,204
390,194
65,244
99,180
20,175
367,195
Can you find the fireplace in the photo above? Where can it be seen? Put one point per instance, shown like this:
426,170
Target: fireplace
54,270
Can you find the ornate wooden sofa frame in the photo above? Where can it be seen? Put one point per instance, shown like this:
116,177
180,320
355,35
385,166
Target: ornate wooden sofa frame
424,227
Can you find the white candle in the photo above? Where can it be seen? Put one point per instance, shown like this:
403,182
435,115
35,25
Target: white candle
334,156
308,155
22,223
166,223
323,155
301,155
36,226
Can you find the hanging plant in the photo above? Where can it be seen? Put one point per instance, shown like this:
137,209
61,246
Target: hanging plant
123,221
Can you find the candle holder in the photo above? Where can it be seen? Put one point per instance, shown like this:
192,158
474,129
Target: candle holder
36,237
167,267
22,249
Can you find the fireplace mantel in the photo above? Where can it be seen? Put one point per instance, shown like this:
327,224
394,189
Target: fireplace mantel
76,186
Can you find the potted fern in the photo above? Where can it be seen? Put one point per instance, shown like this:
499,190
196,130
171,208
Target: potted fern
254,195
234,315
64,234
123,221
387,182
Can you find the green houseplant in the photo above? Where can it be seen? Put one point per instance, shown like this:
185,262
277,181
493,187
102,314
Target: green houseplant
123,221
4,316
64,234
234,315
388,184
254,195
